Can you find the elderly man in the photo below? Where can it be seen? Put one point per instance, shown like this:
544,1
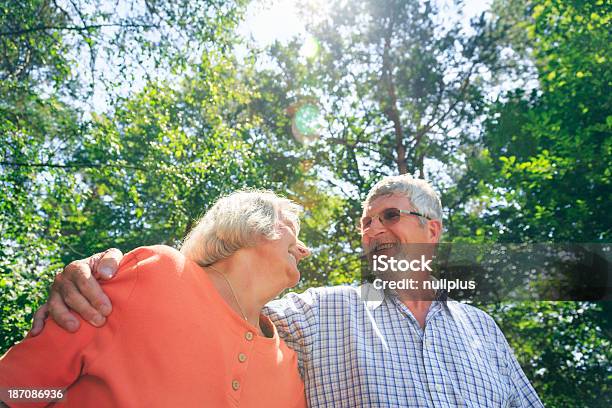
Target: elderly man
365,346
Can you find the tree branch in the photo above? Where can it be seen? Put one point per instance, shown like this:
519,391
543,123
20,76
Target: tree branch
391,109
73,28
71,165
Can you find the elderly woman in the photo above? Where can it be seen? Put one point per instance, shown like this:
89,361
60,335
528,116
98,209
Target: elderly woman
212,348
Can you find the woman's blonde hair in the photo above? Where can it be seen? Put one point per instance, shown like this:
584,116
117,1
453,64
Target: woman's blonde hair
237,221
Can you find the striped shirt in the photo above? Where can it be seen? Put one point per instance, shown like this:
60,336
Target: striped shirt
362,347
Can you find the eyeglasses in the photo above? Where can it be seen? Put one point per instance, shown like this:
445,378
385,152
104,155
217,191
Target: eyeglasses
387,217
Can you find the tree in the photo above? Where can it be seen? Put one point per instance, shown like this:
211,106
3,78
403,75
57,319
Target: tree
398,89
542,174
547,152
51,164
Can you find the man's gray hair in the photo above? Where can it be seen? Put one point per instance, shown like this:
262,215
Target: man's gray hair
237,221
418,191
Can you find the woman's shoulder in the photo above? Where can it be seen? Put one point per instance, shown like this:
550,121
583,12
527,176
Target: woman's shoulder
156,260
153,253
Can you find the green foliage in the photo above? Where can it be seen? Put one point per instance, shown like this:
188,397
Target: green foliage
563,348
164,156
25,48
33,129
72,181
542,174
544,170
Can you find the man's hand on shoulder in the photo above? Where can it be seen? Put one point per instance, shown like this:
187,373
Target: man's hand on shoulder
76,289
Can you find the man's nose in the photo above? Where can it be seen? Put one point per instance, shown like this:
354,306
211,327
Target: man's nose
302,250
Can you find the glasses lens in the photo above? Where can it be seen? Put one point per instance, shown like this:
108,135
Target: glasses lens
390,216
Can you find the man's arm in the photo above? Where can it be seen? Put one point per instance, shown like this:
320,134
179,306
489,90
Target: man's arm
77,290
526,395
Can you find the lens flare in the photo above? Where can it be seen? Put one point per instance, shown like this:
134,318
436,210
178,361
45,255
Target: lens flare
307,121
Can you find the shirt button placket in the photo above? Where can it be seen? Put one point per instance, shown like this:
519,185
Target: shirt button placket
240,368
435,389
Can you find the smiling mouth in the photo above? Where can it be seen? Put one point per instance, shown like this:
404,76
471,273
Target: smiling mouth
382,247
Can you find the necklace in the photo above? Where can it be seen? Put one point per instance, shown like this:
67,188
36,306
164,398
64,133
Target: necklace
232,289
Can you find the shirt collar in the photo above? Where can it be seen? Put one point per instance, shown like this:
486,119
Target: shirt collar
371,296
374,297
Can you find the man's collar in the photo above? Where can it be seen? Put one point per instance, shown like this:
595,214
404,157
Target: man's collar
371,296
374,297
441,296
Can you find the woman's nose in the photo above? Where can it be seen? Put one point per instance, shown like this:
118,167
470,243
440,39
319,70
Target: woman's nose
302,249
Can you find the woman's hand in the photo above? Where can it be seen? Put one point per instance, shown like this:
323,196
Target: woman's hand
76,289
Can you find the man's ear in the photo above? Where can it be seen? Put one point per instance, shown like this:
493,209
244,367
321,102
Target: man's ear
434,231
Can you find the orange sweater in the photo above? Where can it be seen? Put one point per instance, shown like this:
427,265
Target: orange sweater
171,341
